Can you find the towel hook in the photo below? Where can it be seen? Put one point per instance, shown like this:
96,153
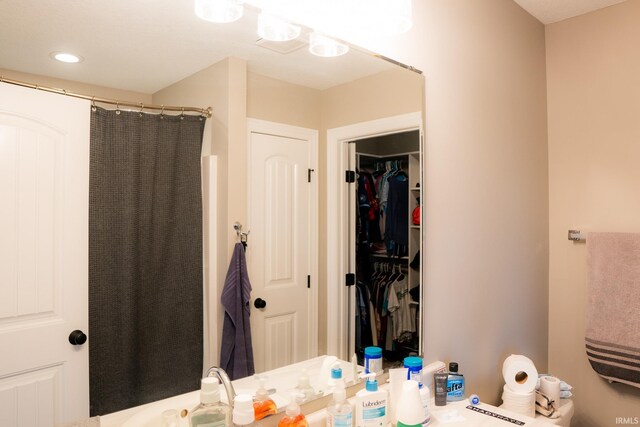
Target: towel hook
242,236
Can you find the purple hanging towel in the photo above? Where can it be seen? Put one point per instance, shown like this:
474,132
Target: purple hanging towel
236,353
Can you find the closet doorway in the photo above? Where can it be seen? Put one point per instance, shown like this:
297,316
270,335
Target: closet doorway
343,155
387,239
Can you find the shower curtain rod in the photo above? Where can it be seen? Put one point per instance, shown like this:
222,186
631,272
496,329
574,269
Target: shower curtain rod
206,112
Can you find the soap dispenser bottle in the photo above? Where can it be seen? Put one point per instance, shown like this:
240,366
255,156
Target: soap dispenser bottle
263,406
304,386
455,384
339,411
210,412
371,404
293,416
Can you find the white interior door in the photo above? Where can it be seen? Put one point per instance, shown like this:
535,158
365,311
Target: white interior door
44,181
281,250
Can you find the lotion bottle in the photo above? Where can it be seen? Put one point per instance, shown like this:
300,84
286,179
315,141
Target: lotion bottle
210,412
371,404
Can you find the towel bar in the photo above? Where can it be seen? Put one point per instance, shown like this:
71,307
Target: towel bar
575,235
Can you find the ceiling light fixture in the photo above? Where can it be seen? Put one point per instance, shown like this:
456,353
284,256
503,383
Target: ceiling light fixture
69,58
398,17
321,45
219,11
276,29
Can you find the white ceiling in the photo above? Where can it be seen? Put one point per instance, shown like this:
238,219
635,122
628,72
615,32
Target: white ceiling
550,11
146,45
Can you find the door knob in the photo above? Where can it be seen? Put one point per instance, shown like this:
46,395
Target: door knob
259,303
77,337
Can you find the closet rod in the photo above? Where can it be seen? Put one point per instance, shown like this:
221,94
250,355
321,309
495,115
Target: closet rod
206,112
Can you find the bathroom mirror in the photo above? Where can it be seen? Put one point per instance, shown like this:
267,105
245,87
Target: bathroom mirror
362,117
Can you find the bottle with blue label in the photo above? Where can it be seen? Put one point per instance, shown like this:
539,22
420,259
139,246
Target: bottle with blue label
371,404
455,384
373,360
414,373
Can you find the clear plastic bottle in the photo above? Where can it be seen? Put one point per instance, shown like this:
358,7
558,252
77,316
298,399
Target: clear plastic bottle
243,415
263,406
304,386
336,378
210,412
339,411
293,415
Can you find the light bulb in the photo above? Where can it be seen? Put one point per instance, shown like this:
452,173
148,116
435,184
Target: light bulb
321,45
219,11
274,28
69,58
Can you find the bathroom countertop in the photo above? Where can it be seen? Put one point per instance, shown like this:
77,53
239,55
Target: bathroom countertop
457,414
462,414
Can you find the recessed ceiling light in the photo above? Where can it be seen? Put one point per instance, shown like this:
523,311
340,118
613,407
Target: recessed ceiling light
321,45
275,29
219,11
66,57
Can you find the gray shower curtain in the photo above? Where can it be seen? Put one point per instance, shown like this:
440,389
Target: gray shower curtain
145,258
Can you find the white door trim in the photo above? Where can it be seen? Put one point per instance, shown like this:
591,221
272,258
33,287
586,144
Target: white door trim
303,134
338,221
211,307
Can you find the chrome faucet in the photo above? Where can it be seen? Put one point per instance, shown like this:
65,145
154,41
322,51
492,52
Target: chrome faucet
225,381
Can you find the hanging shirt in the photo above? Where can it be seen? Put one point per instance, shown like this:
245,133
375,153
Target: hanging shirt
397,223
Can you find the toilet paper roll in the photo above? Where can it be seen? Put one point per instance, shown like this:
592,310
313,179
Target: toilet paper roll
522,403
550,387
520,374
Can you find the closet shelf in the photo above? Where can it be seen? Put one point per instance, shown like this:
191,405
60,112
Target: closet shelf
390,258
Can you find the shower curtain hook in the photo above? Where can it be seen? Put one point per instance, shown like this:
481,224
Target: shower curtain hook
141,108
182,115
118,107
93,104
162,112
